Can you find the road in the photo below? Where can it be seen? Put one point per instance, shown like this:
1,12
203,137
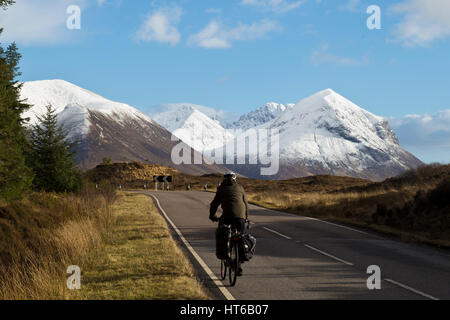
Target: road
303,258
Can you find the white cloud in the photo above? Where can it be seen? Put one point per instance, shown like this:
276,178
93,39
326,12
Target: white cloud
279,6
37,22
423,21
160,26
427,136
424,129
217,36
324,56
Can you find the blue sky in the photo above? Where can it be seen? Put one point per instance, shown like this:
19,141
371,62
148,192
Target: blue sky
239,54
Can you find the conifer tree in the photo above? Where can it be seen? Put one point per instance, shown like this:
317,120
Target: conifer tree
52,155
15,177
5,3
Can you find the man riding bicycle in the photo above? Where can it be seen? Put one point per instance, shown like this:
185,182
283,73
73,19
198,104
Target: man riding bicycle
231,196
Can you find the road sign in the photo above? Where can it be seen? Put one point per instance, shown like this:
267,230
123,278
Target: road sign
166,179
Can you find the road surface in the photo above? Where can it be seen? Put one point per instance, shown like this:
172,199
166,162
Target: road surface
303,258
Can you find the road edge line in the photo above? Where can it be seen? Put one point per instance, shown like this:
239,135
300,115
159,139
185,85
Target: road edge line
202,263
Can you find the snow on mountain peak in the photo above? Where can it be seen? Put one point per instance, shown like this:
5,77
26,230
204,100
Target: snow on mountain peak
166,114
261,116
330,129
198,126
61,94
73,105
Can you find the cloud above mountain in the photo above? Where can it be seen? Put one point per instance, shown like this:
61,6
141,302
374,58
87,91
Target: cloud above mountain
160,25
426,135
219,36
36,22
423,21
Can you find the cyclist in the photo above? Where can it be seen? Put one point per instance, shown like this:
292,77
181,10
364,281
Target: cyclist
231,196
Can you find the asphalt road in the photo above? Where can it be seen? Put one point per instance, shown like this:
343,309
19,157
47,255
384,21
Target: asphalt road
303,258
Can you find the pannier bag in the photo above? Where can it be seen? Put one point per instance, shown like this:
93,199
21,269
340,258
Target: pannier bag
248,245
223,240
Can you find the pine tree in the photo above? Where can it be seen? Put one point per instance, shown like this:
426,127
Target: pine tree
52,155
5,3
15,177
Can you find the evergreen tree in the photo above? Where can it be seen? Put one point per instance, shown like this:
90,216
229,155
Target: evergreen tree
5,3
15,177
52,155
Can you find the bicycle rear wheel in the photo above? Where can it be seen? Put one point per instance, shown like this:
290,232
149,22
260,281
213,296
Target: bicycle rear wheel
223,269
234,263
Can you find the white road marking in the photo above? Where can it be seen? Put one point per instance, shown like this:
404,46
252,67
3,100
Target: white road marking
337,225
411,289
314,219
329,255
202,263
276,232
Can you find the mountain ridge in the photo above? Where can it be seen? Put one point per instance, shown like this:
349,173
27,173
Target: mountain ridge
104,128
322,134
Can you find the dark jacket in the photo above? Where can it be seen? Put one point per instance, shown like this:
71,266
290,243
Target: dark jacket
231,196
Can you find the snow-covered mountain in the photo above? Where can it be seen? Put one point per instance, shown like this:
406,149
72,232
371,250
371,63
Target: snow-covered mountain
198,126
328,134
323,134
72,104
261,116
104,128
165,114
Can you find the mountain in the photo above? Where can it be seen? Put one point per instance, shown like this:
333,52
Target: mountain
103,127
328,134
192,125
322,134
261,116
164,114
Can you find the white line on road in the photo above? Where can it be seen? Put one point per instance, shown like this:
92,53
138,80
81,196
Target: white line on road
337,225
313,219
202,263
411,289
329,255
276,232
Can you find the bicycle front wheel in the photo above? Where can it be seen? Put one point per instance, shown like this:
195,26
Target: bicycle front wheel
234,263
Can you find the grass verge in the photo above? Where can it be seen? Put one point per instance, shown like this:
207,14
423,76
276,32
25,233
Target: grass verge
42,235
140,260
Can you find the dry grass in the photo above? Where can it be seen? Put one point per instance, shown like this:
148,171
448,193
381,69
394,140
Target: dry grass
43,235
141,260
414,206
123,248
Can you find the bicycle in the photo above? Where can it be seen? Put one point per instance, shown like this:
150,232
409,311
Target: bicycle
231,265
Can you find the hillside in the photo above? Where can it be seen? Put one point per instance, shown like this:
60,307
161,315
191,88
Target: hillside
129,173
135,175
